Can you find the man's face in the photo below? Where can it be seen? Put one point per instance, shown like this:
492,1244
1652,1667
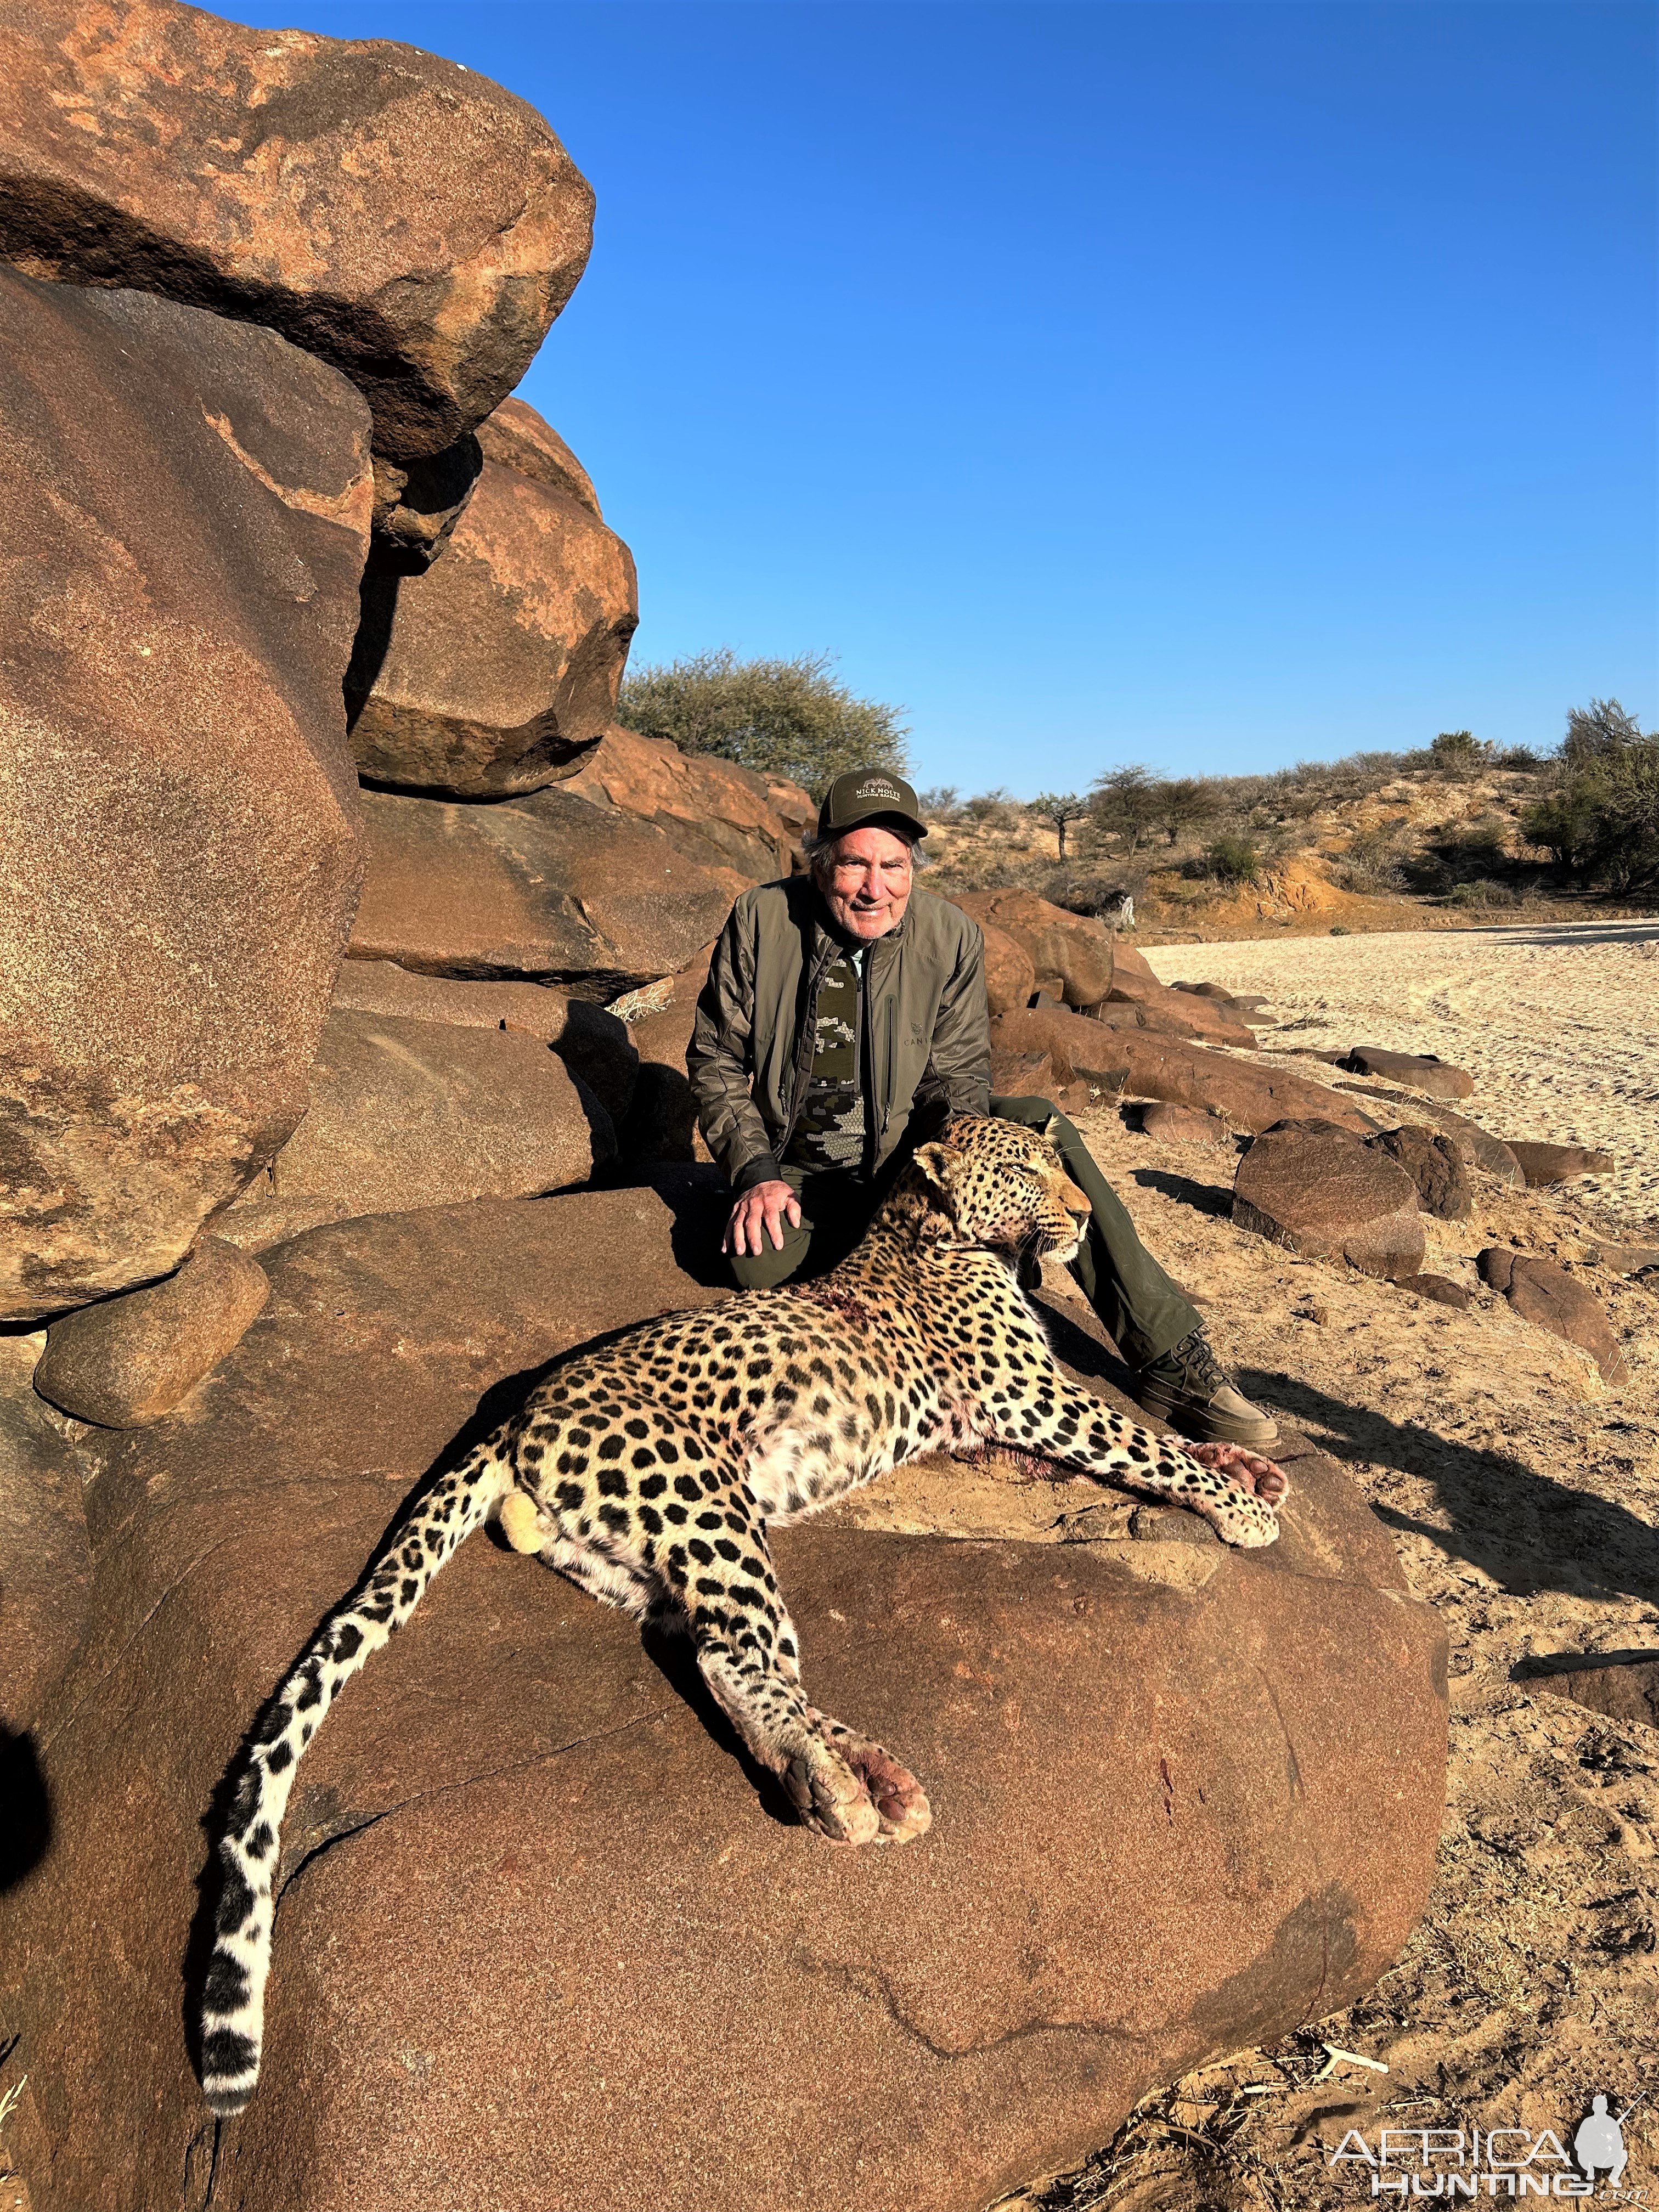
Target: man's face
866,883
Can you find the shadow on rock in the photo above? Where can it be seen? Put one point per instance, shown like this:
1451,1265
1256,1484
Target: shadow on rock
1527,1533
26,1831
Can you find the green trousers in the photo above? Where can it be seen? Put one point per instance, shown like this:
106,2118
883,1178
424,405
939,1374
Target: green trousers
1139,1308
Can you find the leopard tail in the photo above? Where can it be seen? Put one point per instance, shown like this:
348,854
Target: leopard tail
232,2000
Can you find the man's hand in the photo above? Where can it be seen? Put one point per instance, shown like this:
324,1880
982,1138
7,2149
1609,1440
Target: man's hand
769,1205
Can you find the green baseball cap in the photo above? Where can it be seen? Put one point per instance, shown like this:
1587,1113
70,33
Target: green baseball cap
868,794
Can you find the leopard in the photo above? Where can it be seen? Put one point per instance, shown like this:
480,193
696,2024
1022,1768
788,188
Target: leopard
648,1469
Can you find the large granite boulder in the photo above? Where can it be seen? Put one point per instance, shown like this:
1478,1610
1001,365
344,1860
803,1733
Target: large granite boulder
127,1362
527,1878
1072,953
1136,1062
405,219
1435,1164
406,1114
595,1046
740,824
188,508
1319,1190
496,669
517,437
546,889
662,1125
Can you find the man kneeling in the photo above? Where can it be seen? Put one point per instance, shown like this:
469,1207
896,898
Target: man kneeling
844,1016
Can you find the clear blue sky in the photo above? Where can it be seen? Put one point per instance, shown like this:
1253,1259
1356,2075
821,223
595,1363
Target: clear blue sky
1206,384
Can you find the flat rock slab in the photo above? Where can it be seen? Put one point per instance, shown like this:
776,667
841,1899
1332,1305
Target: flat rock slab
407,1114
127,1362
1440,1289
592,1042
1185,1125
1156,1832
407,220
1435,1163
546,889
1488,1153
1422,1070
1318,1191
1543,1165
496,669
1137,1063
1547,1295
187,503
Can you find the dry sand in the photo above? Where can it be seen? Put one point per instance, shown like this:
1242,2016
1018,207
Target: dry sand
1557,1023
1523,1494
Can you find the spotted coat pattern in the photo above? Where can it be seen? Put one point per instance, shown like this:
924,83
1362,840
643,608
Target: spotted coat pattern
648,1471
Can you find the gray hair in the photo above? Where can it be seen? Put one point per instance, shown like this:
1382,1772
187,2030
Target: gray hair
823,849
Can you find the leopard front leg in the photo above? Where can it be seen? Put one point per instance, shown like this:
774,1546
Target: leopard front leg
1235,1491
849,1789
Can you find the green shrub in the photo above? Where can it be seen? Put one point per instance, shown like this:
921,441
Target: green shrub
1232,860
789,718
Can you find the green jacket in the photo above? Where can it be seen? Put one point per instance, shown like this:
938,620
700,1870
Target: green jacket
927,1042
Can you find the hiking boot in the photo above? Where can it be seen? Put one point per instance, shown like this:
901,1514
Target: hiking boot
1189,1388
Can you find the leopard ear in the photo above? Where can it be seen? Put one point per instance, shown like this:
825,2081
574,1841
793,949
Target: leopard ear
1049,1126
935,1161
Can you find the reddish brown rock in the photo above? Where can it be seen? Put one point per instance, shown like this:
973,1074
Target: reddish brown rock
1140,1063
593,1044
1207,991
46,1569
1550,1298
663,1124
1435,1164
1478,1149
408,1114
1154,1798
1072,948
127,1362
1544,1164
1440,1289
1010,975
1185,1125
1315,1189
1422,1070
546,887
1182,1013
417,504
745,827
517,437
188,502
495,671
1021,1074
1626,1691
409,221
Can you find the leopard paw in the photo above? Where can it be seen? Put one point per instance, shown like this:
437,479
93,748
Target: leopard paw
1261,1477
851,1790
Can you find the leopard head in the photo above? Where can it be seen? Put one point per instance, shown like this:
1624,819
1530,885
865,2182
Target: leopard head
991,1183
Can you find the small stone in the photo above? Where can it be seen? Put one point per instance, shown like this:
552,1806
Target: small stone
1548,1296
1185,1125
128,1361
1440,1289
1422,1070
1435,1164
1314,1310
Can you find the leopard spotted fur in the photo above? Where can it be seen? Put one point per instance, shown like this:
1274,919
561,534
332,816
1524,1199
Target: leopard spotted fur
647,1472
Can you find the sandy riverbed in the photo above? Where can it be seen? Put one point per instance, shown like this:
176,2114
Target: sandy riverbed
1557,1023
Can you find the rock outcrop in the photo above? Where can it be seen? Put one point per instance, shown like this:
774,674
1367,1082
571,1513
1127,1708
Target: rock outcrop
593,1044
1317,1189
745,827
1155,1782
127,1362
46,1585
1071,954
496,669
517,437
189,509
546,889
406,221
663,1124
1549,1297
1544,1164
1136,1063
407,1114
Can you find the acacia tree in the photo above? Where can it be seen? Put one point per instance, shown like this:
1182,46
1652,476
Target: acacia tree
1182,800
1059,809
789,718
1126,801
